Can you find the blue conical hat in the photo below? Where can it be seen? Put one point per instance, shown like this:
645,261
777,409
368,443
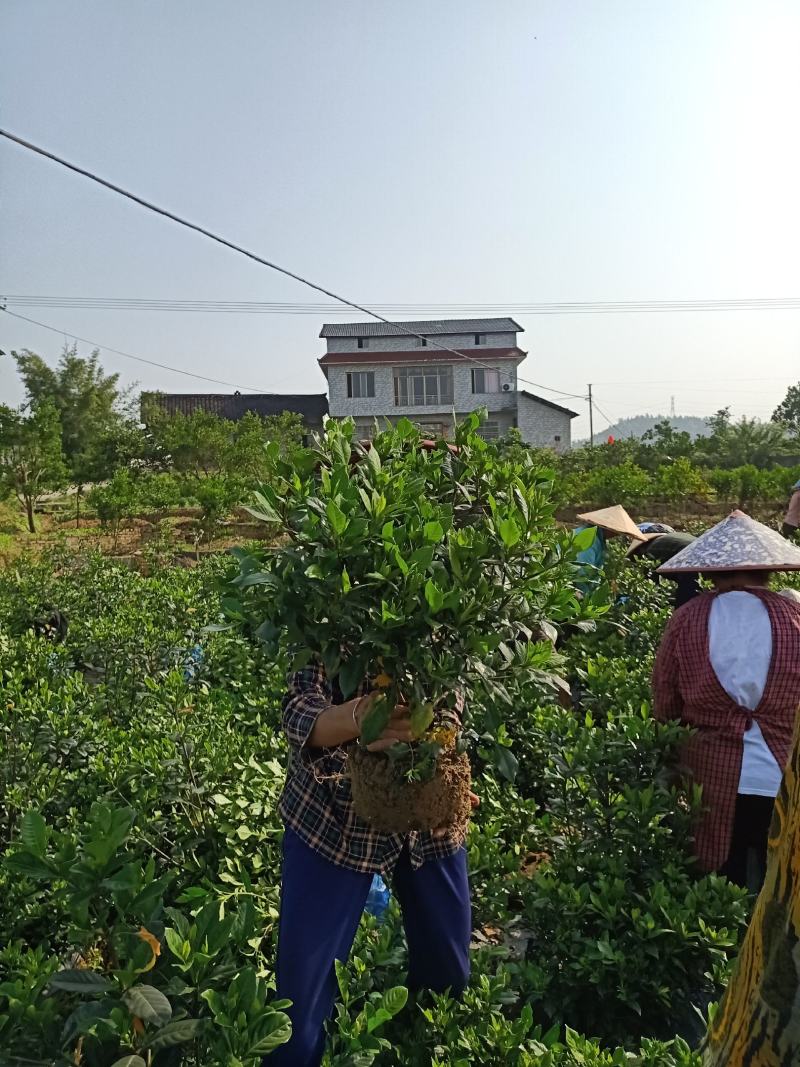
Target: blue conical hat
738,543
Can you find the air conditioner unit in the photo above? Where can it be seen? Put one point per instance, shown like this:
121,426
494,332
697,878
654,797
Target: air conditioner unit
506,388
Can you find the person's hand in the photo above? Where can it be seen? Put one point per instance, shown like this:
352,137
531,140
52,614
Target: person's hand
397,729
475,802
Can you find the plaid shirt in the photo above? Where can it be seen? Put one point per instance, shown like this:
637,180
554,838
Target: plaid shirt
686,688
317,801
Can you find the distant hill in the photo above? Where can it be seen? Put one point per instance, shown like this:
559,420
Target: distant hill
636,425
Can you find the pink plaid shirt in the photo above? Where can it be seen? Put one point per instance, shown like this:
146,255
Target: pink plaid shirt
686,688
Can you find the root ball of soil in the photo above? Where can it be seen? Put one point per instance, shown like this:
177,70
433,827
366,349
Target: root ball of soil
383,798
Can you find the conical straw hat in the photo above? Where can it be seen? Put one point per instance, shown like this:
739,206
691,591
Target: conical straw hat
738,543
615,520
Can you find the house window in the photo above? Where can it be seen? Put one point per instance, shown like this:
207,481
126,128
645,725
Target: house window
360,383
434,429
480,338
423,386
363,342
557,438
423,342
485,381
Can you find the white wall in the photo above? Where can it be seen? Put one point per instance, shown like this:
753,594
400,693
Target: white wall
540,425
406,343
464,400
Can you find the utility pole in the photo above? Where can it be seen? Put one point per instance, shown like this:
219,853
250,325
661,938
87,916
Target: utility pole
591,419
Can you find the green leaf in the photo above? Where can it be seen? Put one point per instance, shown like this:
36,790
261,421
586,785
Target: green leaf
421,718
506,762
148,1003
584,539
336,517
380,1017
434,596
376,720
313,571
29,866
267,631
33,833
509,531
351,675
256,578
395,999
346,585
129,1061
272,1031
263,510
373,459
433,531
84,1018
176,1033
85,982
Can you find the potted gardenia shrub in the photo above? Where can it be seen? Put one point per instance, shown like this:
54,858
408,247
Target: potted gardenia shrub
435,570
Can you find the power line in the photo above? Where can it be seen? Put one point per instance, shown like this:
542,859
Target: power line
256,258
600,410
410,309
139,359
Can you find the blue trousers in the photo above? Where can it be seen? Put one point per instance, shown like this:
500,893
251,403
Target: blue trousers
321,905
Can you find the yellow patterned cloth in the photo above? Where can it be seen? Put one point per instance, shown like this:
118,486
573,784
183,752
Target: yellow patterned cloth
758,1022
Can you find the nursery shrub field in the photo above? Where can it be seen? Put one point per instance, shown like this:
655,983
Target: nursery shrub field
140,765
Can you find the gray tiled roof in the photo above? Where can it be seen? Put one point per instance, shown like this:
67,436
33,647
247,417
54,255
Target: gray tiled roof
549,403
429,327
312,406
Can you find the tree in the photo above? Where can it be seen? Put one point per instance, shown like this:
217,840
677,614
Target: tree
96,423
31,459
203,444
189,444
748,441
788,411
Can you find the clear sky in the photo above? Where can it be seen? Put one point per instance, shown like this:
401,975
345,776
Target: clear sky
476,151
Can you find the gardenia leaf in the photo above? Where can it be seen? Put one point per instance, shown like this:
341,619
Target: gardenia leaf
434,596
433,531
79,981
148,1003
177,1033
375,721
33,833
336,517
29,866
584,539
395,999
509,531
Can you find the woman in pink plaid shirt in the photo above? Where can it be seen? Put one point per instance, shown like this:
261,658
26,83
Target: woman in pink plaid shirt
729,667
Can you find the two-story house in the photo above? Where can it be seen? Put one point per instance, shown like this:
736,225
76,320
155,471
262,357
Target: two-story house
377,371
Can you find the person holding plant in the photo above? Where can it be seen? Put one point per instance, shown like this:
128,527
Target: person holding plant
330,857
412,572
729,667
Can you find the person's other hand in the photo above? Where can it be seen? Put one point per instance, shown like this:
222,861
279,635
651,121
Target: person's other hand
475,802
397,729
